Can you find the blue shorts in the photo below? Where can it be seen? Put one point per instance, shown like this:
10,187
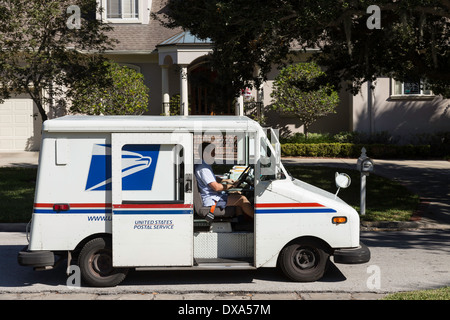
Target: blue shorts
222,201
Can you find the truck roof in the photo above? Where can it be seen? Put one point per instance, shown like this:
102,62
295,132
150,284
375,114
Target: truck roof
85,123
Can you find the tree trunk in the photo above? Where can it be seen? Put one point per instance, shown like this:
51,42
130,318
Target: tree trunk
36,95
306,130
41,109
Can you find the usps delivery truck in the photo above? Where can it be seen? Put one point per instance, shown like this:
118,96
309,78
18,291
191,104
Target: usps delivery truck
119,192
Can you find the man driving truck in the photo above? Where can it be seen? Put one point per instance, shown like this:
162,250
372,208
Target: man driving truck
213,191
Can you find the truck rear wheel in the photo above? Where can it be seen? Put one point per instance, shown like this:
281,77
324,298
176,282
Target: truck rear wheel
95,262
304,260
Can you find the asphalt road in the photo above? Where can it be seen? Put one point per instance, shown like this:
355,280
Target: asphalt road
401,261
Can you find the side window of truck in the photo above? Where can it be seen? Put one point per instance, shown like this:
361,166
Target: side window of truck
152,173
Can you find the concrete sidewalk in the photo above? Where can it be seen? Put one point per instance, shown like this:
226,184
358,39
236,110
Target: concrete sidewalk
19,159
286,296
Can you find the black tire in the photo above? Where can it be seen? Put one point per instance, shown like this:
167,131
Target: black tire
36,258
304,260
95,262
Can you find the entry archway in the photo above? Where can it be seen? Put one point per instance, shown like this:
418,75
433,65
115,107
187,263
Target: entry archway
183,48
209,94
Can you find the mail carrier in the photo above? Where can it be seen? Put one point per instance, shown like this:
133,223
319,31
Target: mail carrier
121,192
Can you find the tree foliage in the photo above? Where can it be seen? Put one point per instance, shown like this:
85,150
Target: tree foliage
412,43
127,93
299,90
41,53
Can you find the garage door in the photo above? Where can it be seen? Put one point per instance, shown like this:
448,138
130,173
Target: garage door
16,124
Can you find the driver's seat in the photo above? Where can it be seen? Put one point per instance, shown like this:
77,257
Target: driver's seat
202,211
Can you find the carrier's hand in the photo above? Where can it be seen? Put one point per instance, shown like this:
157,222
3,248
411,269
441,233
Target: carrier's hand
227,186
227,181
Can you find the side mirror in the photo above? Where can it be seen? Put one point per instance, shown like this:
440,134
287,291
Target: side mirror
342,180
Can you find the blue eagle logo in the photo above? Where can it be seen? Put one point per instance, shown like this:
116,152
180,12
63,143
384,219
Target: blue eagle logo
138,167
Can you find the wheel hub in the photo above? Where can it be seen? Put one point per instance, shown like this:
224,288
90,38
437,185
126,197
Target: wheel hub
102,263
305,258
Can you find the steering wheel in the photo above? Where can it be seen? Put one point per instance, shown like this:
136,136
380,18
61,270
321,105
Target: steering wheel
242,177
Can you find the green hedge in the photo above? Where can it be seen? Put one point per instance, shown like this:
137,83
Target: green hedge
350,150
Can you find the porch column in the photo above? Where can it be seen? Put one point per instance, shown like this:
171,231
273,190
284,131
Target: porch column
184,108
260,105
240,106
165,90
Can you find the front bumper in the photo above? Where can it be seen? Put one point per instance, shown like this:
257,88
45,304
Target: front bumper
37,259
356,255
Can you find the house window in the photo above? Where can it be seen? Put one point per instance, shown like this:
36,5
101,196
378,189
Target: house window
122,9
411,88
125,11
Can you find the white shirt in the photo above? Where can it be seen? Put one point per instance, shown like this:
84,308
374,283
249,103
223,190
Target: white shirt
205,176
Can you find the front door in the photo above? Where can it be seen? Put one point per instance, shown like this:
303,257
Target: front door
152,199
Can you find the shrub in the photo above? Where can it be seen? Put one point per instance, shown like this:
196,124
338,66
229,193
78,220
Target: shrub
300,90
379,145
312,138
126,94
350,150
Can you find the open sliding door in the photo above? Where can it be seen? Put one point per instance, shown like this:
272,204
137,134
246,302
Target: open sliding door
152,222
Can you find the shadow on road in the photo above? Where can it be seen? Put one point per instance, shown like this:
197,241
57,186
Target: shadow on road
189,277
14,275
438,240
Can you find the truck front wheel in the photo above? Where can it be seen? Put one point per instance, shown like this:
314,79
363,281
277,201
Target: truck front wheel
304,260
95,262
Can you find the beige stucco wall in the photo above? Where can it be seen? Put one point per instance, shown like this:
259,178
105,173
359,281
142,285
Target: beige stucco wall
402,117
333,123
148,64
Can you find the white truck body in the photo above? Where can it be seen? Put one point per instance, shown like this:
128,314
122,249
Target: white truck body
124,177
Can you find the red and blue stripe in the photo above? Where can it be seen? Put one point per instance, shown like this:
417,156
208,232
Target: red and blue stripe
286,208
108,208
74,208
123,209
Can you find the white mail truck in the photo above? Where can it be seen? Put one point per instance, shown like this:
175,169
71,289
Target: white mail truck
119,192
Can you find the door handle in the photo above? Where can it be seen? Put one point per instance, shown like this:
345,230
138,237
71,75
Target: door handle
188,183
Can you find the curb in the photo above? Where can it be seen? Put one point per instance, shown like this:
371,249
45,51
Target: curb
401,225
195,296
391,225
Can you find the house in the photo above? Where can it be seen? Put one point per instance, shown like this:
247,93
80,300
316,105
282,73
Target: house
174,62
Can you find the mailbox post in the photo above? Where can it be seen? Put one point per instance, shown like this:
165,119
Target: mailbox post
365,166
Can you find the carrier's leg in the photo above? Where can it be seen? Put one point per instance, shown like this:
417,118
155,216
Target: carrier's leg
238,200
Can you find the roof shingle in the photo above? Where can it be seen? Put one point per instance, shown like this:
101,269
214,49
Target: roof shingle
142,37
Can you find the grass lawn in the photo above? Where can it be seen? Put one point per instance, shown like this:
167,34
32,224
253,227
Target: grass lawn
386,199
434,294
17,194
